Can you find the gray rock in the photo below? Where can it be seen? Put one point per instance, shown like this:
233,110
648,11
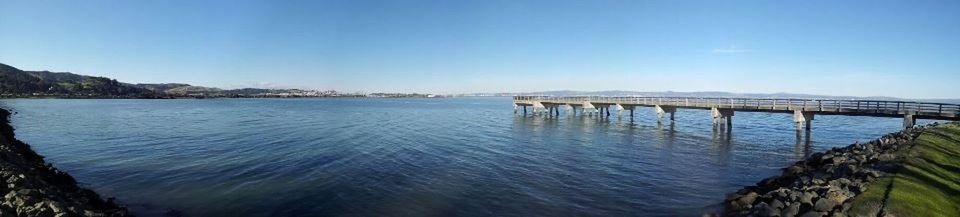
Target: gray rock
858,187
793,171
830,201
56,207
791,210
776,204
747,199
813,214
845,170
764,210
742,202
817,181
822,205
807,198
845,207
795,196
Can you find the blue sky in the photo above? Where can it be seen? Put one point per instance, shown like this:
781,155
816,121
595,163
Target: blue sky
861,48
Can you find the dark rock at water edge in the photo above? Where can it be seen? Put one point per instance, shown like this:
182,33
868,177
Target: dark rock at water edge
824,183
31,187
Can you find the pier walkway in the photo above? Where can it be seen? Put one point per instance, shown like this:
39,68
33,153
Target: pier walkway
722,109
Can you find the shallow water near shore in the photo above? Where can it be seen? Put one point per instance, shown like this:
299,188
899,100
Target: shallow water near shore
412,157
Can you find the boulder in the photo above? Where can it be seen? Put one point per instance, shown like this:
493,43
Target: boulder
791,210
776,204
742,202
830,201
807,198
764,210
794,170
812,213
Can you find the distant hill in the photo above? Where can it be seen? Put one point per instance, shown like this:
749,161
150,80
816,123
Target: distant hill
16,82
160,88
192,90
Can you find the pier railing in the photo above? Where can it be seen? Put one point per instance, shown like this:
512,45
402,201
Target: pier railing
821,105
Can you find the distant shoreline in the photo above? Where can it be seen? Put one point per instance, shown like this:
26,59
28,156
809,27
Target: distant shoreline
219,97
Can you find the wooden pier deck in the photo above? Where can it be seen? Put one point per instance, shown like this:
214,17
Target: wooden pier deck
723,109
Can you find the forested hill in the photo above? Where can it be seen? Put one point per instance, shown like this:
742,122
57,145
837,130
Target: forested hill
18,83
15,83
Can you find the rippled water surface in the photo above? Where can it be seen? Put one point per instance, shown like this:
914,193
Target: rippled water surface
411,157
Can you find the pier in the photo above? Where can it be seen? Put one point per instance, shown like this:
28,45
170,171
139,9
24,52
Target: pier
723,109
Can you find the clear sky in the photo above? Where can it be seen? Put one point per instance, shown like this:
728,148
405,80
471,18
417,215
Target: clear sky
860,48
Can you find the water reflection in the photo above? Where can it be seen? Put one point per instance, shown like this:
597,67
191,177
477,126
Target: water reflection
722,145
803,148
667,136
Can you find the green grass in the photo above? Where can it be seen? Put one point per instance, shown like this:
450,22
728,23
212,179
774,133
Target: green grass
927,185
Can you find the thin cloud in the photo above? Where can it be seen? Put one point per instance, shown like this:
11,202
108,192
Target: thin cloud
731,49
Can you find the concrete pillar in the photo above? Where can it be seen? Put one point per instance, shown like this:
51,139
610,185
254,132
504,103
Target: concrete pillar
802,119
722,115
537,106
662,110
909,120
619,109
587,106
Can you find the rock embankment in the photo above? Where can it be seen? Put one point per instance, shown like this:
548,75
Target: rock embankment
31,187
824,183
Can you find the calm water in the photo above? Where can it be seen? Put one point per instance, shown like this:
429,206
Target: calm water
411,157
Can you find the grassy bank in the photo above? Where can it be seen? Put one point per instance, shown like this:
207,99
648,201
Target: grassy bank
927,182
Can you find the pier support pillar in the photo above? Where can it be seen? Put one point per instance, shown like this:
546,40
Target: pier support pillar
603,109
553,109
802,119
630,108
722,115
909,120
663,110
619,109
587,107
538,107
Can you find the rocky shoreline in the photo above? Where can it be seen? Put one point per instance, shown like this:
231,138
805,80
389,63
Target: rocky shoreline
823,184
32,187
